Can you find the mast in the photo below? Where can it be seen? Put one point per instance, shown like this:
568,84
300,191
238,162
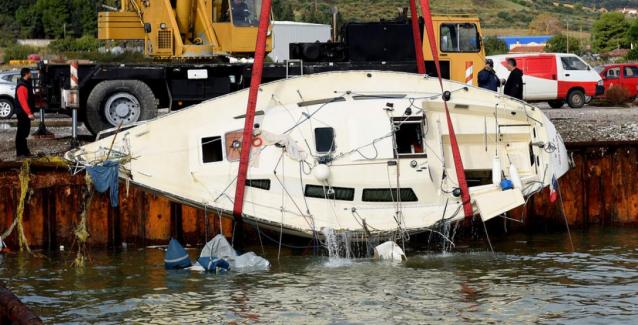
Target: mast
456,154
255,81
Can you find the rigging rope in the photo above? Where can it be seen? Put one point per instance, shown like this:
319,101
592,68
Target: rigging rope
25,177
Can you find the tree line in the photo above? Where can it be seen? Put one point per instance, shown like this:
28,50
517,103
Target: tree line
47,18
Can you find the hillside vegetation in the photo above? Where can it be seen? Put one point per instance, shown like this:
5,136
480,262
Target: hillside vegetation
76,18
511,14
74,22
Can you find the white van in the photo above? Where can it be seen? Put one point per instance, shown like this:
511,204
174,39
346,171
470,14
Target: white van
557,78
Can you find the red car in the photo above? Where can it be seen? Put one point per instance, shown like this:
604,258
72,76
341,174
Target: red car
625,75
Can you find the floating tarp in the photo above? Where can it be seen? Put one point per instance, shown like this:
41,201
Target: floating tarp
104,177
176,256
219,247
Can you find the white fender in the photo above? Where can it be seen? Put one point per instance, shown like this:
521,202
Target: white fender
497,170
321,172
516,180
389,251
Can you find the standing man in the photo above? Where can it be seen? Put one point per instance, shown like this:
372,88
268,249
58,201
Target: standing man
26,105
514,83
487,78
241,13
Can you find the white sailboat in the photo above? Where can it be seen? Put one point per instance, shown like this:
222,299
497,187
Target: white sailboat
357,151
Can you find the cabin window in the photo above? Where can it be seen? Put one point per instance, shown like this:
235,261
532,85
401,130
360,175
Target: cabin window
613,73
573,63
324,140
631,72
212,149
263,184
388,195
409,137
245,13
333,193
478,177
460,38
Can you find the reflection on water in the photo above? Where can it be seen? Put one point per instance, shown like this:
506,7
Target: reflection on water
532,279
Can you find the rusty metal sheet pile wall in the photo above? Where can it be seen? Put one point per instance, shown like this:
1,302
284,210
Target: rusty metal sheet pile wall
600,190
56,199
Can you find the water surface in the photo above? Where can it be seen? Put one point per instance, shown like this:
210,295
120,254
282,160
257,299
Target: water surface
531,280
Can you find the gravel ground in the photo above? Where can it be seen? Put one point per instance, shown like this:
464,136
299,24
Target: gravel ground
60,126
595,124
588,124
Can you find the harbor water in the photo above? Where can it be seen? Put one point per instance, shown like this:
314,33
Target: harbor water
531,279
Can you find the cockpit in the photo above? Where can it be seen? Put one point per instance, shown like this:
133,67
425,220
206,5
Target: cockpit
241,13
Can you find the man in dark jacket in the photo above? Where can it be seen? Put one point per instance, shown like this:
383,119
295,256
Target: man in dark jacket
514,84
241,13
487,77
26,105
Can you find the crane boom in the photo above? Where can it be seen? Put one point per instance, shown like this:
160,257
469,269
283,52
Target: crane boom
185,29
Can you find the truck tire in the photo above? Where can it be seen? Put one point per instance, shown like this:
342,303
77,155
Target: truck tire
556,103
576,98
116,102
7,108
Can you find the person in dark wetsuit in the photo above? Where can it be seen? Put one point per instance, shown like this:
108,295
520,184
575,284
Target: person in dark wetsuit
514,83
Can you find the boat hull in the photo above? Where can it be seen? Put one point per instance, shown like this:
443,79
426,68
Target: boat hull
359,151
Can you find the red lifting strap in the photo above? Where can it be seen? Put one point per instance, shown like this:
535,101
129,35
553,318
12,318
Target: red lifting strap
255,81
418,43
458,163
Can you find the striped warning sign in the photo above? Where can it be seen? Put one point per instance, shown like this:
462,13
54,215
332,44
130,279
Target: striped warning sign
469,72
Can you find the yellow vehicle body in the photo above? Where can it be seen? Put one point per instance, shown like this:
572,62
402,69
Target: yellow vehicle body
181,29
460,48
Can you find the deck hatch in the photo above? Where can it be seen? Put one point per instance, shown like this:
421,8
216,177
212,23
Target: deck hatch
409,137
212,149
333,193
388,195
324,140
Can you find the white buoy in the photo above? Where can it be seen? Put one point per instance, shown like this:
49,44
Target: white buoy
389,251
516,180
497,170
321,172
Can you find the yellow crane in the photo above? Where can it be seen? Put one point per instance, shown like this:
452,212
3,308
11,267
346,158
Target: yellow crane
182,29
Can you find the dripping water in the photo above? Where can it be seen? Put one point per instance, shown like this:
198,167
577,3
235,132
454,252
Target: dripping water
338,245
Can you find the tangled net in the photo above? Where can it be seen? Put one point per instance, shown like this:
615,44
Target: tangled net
81,230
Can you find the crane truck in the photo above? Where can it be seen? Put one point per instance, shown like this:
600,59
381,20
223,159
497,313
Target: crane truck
190,39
